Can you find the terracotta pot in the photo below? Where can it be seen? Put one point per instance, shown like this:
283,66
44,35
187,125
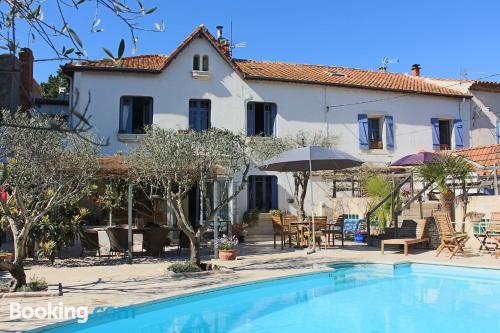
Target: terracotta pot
227,254
7,256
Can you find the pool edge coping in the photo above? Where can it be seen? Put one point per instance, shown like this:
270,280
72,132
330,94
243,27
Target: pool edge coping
315,269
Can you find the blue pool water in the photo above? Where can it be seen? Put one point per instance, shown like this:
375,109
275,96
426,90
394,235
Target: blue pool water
364,298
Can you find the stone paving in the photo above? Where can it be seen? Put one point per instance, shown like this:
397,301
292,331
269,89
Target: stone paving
103,282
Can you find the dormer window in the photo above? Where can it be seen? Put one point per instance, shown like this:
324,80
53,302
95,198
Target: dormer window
196,62
204,66
200,67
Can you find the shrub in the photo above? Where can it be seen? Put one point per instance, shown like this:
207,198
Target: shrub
276,212
183,267
35,284
251,216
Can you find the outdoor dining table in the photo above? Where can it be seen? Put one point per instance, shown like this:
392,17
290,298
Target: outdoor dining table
301,241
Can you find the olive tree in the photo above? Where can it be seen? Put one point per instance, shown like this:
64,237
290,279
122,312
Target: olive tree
301,178
44,170
174,162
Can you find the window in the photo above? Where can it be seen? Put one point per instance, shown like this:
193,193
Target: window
261,118
444,135
135,114
263,192
204,66
375,133
196,62
199,114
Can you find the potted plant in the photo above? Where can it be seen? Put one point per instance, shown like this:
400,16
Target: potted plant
240,231
474,217
360,236
226,245
4,255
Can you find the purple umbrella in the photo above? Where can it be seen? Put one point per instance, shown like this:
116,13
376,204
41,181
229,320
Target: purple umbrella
422,157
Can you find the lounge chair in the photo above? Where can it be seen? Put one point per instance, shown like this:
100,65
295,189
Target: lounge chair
450,239
493,233
337,228
406,242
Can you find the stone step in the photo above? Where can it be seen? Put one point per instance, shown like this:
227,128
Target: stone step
263,226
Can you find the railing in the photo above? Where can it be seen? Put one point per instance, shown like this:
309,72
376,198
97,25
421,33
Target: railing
396,211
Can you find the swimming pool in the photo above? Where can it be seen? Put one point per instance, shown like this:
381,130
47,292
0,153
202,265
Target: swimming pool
367,298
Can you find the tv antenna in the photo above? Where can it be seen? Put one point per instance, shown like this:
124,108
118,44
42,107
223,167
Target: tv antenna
387,61
233,45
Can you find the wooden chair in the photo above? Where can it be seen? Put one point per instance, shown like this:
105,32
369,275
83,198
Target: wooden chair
450,239
291,229
493,233
278,230
337,228
406,242
154,240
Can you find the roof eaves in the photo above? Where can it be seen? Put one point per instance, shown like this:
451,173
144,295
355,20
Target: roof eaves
315,82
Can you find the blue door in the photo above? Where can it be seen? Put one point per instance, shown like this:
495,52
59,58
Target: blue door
263,192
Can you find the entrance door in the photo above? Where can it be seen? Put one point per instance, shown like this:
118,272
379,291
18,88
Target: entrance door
263,192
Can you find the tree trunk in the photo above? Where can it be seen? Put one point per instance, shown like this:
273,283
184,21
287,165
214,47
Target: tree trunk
195,251
18,275
447,201
300,180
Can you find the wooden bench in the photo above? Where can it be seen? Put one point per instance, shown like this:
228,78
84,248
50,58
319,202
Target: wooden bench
406,242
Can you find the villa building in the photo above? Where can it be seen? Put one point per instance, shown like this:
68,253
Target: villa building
376,116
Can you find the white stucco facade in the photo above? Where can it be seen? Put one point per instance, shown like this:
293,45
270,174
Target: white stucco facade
307,107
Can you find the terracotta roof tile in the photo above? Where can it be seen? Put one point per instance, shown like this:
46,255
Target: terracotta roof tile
278,71
484,155
148,62
339,76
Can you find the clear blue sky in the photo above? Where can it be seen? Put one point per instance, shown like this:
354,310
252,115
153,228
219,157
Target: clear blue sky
444,36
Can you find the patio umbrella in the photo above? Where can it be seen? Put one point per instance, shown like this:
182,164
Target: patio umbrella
311,158
421,157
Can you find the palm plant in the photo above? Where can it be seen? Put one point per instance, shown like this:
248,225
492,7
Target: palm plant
378,187
444,172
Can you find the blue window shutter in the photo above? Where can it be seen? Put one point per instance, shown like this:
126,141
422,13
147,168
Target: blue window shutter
389,131
435,133
126,115
207,121
498,131
267,122
264,190
459,133
250,119
363,131
274,192
273,120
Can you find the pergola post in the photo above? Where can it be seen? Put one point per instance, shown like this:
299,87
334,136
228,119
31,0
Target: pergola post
216,217
130,240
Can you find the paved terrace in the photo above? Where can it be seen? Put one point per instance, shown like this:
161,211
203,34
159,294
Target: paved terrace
111,282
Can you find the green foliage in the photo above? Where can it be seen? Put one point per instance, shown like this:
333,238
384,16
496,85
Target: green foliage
114,195
50,89
58,229
276,212
35,284
444,169
184,267
251,216
377,187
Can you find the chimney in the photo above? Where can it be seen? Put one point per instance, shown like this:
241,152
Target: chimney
415,69
26,84
223,42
